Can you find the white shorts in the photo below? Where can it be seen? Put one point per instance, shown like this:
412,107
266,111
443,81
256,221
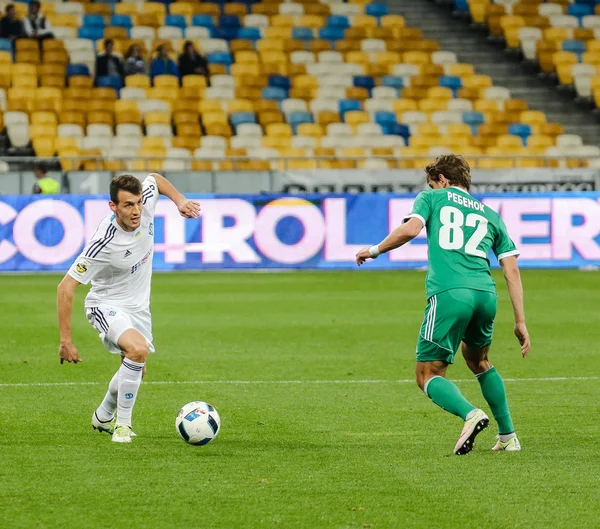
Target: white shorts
111,322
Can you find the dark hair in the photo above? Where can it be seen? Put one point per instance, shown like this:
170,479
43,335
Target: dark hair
34,3
40,167
454,167
129,52
9,6
124,182
108,41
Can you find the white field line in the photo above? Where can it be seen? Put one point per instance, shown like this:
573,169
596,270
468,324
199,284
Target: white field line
284,382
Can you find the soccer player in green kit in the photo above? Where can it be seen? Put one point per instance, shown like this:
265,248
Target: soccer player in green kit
461,296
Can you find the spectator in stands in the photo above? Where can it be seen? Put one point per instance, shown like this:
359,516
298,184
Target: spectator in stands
191,62
35,24
44,185
11,27
134,62
108,63
163,64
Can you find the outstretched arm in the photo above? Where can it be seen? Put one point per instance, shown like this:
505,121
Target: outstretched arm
401,235
189,209
65,293
515,291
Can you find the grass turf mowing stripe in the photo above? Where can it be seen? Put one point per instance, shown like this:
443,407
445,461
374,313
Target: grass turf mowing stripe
242,382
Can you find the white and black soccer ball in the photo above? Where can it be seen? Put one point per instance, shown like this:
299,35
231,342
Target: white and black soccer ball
198,423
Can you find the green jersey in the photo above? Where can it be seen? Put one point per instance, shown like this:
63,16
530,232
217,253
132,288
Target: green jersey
461,231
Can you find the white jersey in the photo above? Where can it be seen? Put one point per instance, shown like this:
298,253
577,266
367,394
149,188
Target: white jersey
119,263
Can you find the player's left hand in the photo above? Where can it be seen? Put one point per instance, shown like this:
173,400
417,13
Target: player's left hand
363,255
190,209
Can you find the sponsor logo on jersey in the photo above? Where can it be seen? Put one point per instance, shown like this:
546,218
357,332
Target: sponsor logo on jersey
138,234
151,228
128,395
81,268
141,261
127,253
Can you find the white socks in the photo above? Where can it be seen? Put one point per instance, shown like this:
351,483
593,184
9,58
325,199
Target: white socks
505,438
129,377
106,410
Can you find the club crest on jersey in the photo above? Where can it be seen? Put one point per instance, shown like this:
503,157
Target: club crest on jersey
127,253
138,234
151,229
81,268
112,313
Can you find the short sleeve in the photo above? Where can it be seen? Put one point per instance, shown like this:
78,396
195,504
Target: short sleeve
150,194
421,208
503,245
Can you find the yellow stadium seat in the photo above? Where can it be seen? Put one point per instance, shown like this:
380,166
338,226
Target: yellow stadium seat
160,118
104,93
433,105
392,21
461,69
282,20
153,142
77,118
62,144
416,57
495,163
154,8
591,57
100,116
404,105
355,117
45,129
477,82
129,116
206,9
189,115
237,45
235,8
240,105
508,140
137,81
539,141
123,8
266,118
171,81
238,70
486,105
211,105
167,93
533,117
276,142
358,93
196,81
214,118
278,32
555,34
126,105
362,21
64,20
310,129
245,57
25,80
43,145
428,129
459,129
279,129
439,92
270,45
311,21
43,118
219,129
26,45
321,10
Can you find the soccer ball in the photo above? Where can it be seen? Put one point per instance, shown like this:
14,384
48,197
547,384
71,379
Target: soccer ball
198,423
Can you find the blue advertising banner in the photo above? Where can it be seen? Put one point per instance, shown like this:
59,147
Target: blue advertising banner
552,230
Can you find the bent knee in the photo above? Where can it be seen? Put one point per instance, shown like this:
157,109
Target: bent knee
137,351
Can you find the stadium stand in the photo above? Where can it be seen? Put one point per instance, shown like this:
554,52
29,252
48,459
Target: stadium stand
287,83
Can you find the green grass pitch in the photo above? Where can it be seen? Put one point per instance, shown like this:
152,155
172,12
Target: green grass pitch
322,426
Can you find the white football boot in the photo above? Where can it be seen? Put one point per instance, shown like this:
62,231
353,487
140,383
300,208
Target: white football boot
122,434
472,428
103,426
512,445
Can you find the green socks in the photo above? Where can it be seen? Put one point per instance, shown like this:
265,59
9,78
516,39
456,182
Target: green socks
494,393
448,397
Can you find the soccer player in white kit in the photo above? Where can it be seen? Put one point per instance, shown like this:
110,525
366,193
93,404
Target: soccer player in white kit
118,262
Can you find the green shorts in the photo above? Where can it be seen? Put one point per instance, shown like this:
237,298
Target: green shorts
454,316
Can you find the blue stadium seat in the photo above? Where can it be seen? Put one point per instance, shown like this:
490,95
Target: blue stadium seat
91,33
238,118
462,6
122,21
281,81
5,45
473,118
93,21
249,34
376,10
219,57
231,21
338,21
399,129
107,1
225,33
331,33
520,129
580,10
576,46
110,81
364,81
297,118
77,69
177,21
347,105
395,81
302,34
274,92
385,119
204,21
451,81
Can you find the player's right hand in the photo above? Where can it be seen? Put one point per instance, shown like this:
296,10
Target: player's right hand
68,352
523,336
